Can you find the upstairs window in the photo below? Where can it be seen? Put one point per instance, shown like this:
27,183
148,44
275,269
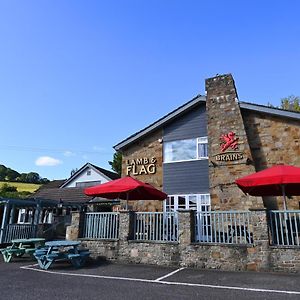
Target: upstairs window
184,150
202,148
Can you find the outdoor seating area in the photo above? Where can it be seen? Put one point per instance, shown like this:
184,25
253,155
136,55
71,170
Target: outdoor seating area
46,253
21,247
61,250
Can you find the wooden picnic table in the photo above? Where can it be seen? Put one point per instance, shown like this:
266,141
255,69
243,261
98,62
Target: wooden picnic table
20,247
61,250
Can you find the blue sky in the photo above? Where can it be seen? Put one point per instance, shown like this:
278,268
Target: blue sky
77,77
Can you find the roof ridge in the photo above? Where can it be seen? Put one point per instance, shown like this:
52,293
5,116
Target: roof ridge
116,147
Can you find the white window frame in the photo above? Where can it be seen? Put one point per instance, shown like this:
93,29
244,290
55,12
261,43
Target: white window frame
25,216
202,141
203,202
198,140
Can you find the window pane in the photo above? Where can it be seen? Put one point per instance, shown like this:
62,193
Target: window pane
180,150
193,202
181,202
202,151
202,147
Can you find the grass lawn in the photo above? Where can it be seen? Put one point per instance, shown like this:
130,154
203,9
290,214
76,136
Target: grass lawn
23,187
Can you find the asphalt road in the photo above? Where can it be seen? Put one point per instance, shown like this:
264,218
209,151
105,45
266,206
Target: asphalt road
21,280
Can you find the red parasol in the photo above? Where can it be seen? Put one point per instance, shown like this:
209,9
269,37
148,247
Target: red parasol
275,181
126,188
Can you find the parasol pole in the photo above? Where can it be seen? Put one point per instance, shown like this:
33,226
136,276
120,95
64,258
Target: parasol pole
127,196
284,197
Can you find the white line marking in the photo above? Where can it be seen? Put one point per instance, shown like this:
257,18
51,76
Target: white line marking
166,282
168,275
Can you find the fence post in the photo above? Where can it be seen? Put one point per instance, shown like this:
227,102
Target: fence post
186,227
126,223
259,224
74,230
258,258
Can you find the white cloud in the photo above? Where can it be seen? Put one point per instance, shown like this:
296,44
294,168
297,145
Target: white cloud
47,161
69,153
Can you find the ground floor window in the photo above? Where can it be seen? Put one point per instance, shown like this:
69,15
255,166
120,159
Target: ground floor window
25,216
198,202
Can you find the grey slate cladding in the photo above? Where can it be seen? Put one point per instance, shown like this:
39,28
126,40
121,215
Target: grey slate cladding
190,125
186,177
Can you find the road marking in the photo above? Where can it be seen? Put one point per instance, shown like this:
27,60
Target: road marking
165,282
168,275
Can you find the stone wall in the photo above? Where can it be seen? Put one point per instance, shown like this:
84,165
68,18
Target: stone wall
224,116
148,148
258,256
273,140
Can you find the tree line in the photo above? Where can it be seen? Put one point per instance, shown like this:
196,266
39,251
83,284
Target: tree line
8,174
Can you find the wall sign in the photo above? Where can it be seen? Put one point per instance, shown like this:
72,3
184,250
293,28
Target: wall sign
141,166
229,142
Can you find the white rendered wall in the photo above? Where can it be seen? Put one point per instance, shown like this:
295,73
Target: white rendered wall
83,177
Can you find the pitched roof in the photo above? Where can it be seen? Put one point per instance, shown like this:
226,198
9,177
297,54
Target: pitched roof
53,184
276,111
191,104
108,174
162,121
71,195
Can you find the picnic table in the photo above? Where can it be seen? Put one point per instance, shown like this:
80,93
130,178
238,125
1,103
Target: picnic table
61,250
20,247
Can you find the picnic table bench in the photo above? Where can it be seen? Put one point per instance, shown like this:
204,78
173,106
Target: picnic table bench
20,247
61,250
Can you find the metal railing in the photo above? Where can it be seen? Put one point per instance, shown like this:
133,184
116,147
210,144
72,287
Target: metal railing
284,227
223,227
101,225
156,226
19,231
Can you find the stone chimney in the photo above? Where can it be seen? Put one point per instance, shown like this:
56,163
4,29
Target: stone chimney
229,152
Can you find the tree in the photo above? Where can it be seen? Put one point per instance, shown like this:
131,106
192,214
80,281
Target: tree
11,175
33,177
116,163
73,171
291,103
2,172
44,180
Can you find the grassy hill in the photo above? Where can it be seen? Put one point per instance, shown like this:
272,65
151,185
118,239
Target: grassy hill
23,187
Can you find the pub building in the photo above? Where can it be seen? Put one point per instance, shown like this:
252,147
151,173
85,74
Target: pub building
196,152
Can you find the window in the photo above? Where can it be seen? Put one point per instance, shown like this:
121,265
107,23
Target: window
184,150
25,216
202,148
198,202
88,172
84,184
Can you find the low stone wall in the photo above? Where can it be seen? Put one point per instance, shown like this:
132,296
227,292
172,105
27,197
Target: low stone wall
257,257
102,249
284,259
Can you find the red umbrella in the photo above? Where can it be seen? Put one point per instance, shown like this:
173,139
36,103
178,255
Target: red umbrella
274,181
126,188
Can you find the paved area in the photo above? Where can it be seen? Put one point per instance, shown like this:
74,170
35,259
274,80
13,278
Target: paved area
24,280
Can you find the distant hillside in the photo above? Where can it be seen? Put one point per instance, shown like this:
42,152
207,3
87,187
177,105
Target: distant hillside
10,175
22,187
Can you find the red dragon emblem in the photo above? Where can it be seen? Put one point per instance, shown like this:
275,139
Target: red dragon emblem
229,140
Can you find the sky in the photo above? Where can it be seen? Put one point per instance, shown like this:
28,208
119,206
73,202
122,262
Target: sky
78,77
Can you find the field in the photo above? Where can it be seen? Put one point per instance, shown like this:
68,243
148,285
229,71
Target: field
23,187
